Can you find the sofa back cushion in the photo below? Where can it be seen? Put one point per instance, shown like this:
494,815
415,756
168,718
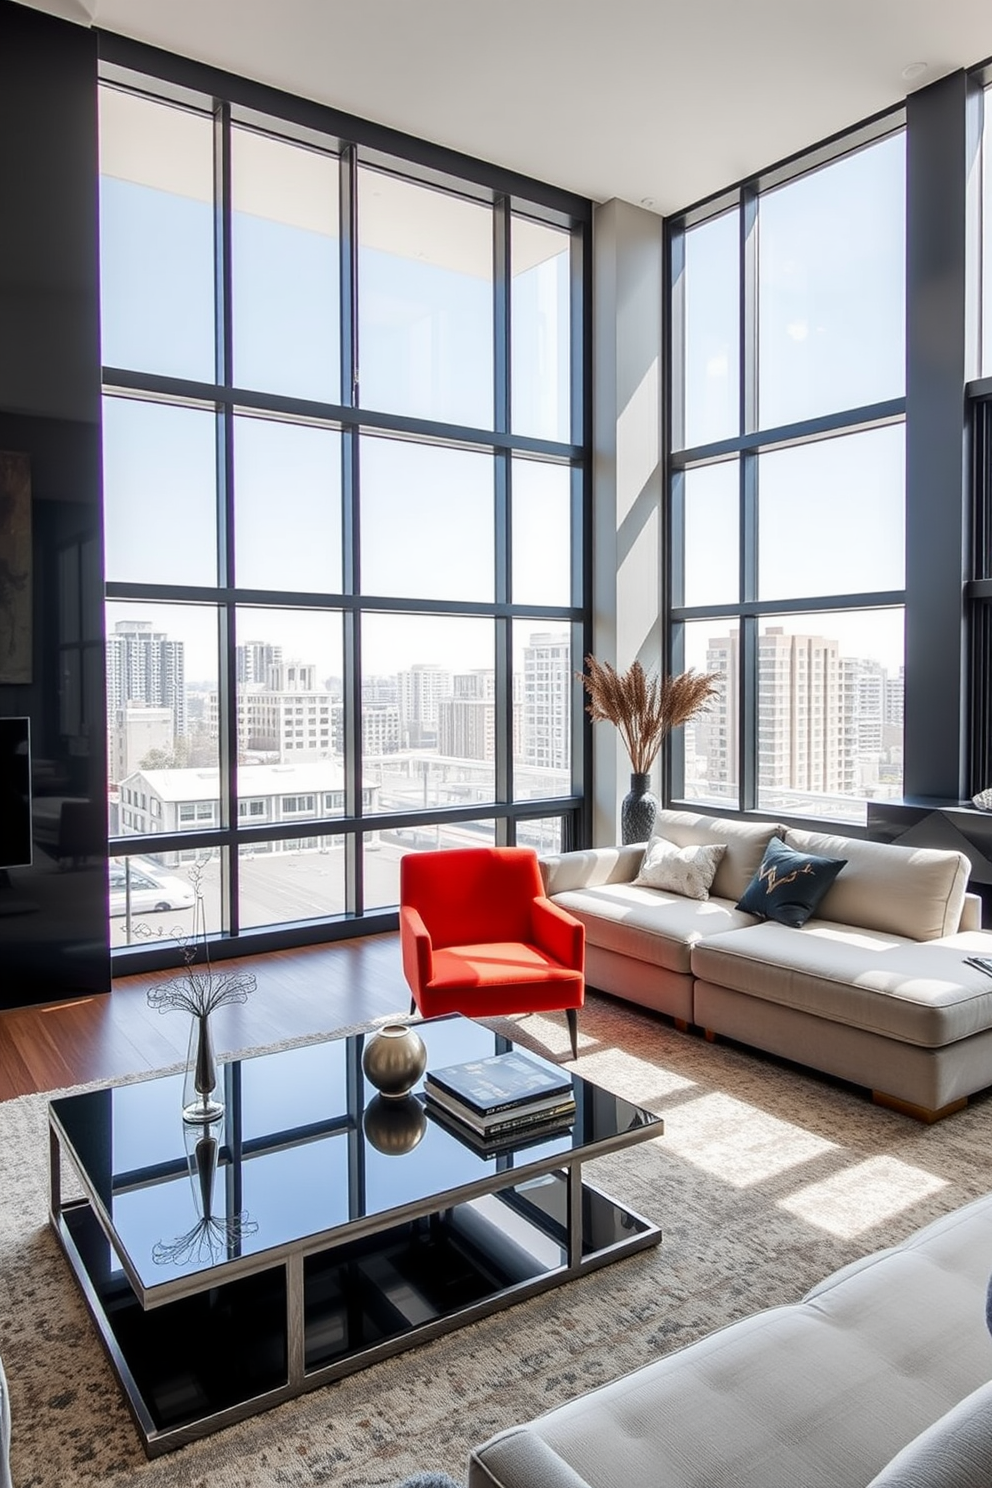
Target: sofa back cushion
745,843
917,892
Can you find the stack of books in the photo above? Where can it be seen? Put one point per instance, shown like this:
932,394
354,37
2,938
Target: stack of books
501,1100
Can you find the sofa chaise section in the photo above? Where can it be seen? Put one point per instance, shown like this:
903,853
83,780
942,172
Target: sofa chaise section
822,1393
875,989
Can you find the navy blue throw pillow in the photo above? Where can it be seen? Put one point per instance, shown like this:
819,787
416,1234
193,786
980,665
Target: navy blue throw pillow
789,885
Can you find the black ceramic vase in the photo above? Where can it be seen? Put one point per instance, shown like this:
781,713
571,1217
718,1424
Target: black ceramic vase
637,810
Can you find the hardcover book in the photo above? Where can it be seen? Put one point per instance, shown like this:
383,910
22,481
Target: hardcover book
494,1144
499,1083
492,1123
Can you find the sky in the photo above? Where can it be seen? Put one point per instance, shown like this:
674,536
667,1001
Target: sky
425,330
830,323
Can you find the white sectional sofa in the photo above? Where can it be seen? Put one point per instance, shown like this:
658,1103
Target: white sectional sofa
875,988
879,1377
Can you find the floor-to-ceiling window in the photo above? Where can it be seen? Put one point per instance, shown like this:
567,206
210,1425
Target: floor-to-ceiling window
787,496
345,500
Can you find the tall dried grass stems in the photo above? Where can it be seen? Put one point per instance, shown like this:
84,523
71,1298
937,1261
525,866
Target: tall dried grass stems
644,709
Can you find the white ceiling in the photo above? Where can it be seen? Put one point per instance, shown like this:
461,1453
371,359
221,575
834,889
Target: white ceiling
654,101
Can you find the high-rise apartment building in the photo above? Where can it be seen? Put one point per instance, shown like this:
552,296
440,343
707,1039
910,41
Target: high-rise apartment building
546,733
144,666
824,726
253,661
420,690
467,719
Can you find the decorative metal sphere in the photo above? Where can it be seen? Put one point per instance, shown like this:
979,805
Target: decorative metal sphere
394,1060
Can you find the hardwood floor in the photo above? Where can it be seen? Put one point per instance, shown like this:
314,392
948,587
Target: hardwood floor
315,989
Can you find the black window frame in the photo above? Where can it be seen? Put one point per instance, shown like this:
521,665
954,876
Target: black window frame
746,447
233,101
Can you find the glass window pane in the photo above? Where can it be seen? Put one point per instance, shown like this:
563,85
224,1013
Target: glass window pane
711,349
425,301
285,256
544,834
152,896
162,738
711,521
542,533
831,287
290,715
159,493
544,684
830,705
427,521
859,479
540,329
156,237
292,879
382,852
428,711
710,740
287,495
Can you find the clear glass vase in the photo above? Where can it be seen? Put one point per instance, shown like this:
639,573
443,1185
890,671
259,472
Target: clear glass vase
200,1106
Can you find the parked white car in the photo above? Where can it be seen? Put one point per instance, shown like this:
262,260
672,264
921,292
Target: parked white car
147,893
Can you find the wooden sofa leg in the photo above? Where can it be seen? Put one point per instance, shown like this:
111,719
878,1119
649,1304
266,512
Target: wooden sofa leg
682,1024
572,1014
709,1035
918,1113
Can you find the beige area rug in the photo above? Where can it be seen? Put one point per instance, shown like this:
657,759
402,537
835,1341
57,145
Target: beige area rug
767,1179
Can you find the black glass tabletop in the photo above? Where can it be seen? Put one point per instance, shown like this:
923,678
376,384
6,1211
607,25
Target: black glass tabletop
305,1147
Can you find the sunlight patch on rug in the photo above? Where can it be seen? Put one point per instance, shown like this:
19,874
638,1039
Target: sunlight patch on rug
643,1081
738,1143
860,1197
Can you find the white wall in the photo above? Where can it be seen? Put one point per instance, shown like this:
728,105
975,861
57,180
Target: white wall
627,453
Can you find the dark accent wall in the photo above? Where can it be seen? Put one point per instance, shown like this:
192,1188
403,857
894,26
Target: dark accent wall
54,940
940,138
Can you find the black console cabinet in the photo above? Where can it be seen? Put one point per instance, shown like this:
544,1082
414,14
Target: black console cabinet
924,821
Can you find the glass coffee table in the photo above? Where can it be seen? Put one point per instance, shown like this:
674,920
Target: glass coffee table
316,1229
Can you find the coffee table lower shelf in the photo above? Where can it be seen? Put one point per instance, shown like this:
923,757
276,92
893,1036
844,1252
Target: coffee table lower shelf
201,1362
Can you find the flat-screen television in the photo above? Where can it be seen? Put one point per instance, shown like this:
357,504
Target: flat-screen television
15,792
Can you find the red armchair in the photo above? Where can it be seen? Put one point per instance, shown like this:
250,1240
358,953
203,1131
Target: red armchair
479,936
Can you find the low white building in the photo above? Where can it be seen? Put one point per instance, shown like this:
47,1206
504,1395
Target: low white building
181,800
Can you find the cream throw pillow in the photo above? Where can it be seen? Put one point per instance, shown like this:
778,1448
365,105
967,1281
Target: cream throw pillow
680,870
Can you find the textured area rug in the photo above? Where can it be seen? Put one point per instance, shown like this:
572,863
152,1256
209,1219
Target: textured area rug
767,1179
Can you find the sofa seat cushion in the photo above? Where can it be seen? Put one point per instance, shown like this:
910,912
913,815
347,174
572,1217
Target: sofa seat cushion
913,891
649,924
921,994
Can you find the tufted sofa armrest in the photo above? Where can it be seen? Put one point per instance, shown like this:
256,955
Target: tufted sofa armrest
955,1452
589,868
971,913
4,1432
519,1458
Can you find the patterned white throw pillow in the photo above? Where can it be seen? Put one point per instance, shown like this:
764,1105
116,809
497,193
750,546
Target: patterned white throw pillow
680,870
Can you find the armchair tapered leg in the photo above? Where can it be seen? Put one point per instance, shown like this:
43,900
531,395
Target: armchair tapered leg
572,1014
413,1006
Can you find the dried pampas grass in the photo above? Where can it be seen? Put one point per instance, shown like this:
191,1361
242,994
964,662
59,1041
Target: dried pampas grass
644,709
